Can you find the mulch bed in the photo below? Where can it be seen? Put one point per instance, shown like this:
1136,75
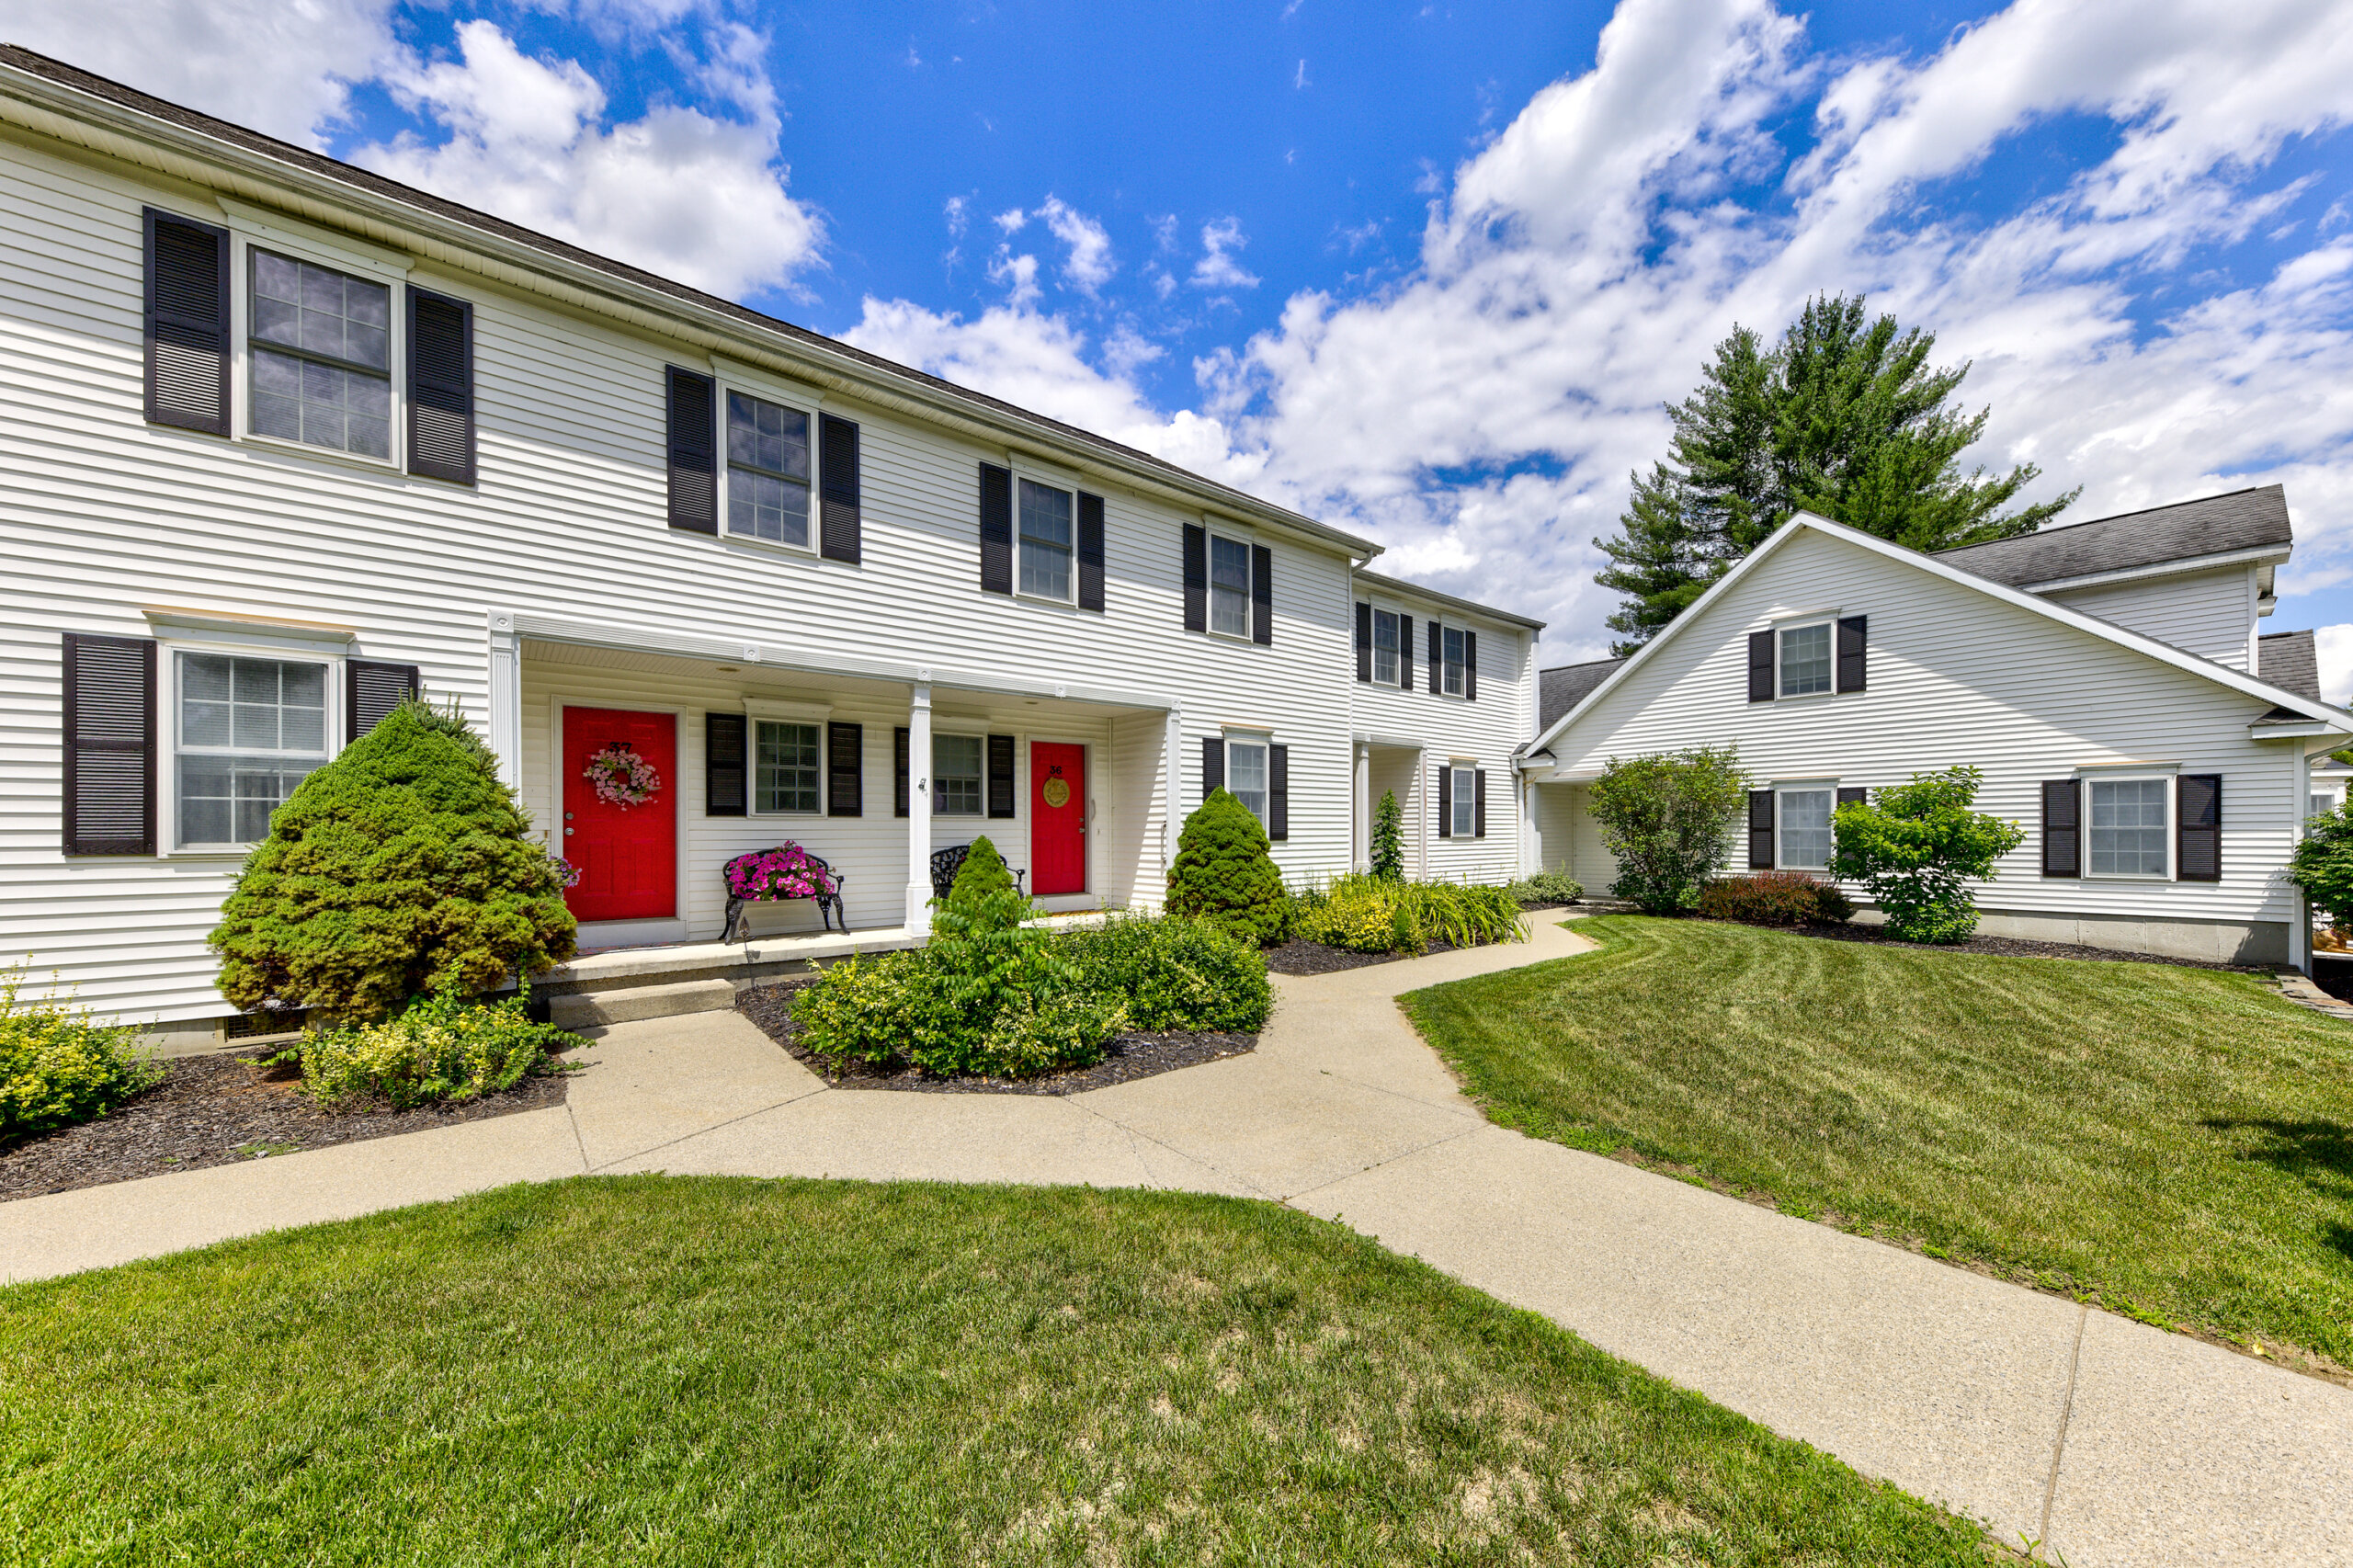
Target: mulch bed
2008,946
217,1111
1127,1057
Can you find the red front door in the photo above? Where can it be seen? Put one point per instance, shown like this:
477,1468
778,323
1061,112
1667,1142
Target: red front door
1057,818
627,853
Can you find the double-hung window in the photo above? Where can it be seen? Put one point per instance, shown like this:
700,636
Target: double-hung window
1804,836
1454,648
321,355
1245,773
1805,660
1045,527
956,775
1229,587
250,729
2128,827
1384,647
767,470
786,768
1463,795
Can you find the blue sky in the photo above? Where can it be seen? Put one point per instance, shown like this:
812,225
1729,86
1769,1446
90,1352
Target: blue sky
1424,271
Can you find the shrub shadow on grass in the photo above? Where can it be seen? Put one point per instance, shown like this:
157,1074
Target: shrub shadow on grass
2319,1154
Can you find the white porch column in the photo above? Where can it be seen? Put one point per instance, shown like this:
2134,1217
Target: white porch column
505,677
1172,821
1425,804
919,806
2299,912
1531,847
1360,849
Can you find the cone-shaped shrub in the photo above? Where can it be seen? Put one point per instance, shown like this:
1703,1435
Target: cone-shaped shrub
1224,873
1389,838
401,867
982,873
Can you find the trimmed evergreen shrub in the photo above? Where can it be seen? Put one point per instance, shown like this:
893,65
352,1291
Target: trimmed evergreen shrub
983,872
1775,898
1546,887
402,866
440,1049
1223,872
57,1067
1389,838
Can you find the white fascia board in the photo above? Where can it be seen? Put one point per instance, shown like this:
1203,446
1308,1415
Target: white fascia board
2163,653
2270,554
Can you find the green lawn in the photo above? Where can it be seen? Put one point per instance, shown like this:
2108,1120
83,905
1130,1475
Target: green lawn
703,1370
2178,1141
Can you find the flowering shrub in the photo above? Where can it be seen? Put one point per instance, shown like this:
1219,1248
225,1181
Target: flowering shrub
1774,898
567,875
786,871
621,776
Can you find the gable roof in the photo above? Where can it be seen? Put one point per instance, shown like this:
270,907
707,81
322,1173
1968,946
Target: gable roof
1562,686
1470,607
2255,519
2288,707
559,255
2290,661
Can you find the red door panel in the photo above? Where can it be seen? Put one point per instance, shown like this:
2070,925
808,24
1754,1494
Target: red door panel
1057,818
627,855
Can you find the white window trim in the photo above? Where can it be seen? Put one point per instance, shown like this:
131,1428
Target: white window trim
731,377
1264,739
769,712
1781,629
1048,479
788,711
292,650
1802,787
2143,774
1463,773
1213,530
962,735
247,236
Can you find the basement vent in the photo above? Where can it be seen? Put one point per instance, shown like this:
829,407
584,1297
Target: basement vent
261,1025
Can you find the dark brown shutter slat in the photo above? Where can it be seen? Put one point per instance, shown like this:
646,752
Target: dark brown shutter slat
1406,651
440,387
1364,640
1852,796
1001,775
1479,803
725,771
1090,552
370,690
694,451
1445,801
1760,830
2197,827
840,516
1760,666
187,327
1438,659
1262,593
1278,793
997,530
2063,802
1470,666
845,769
109,701
902,743
1854,644
1197,577
1212,765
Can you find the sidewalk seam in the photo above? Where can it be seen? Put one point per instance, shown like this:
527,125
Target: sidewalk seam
709,1127
1110,1120
2066,1413
1384,1164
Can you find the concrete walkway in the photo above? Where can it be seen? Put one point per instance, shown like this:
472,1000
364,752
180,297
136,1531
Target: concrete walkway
2111,1442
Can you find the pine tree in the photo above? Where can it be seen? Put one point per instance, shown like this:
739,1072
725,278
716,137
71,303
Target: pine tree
1843,417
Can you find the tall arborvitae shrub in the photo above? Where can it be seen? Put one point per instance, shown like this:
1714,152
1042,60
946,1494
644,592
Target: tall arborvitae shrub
1223,872
401,867
1389,838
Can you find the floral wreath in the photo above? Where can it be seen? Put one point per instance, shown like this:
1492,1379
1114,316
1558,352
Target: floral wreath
621,778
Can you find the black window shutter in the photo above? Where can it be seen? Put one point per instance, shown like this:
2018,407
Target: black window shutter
109,690
187,324
1853,639
1479,803
900,742
370,690
1760,666
1090,552
2198,828
1853,797
1197,577
1445,801
1760,830
2063,804
1470,666
1000,776
1438,659
1406,651
997,530
725,776
840,525
1364,641
1279,792
1212,765
1262,593
694,451
440,387
844,771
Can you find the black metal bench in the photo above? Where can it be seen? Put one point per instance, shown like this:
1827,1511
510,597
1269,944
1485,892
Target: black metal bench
946,863
829,904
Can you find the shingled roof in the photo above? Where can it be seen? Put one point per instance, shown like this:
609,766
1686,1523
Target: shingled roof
2290,661
2254,518
1563,687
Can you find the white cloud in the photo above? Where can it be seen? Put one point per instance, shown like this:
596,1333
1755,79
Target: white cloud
679,192
1017,275
2335,646
1218,269
1091,265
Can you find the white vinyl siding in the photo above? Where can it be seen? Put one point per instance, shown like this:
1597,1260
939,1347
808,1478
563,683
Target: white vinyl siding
2209,613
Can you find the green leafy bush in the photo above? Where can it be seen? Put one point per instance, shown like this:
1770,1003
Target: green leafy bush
439,1049
871,1008
1667,817
1775,898
1365,913
402,866
2322,865
1173,973
1917,848
57,1067
983,872
1389,838
1223,872
1546,887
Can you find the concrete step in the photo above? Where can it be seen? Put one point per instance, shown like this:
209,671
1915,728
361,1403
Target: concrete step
593,1009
